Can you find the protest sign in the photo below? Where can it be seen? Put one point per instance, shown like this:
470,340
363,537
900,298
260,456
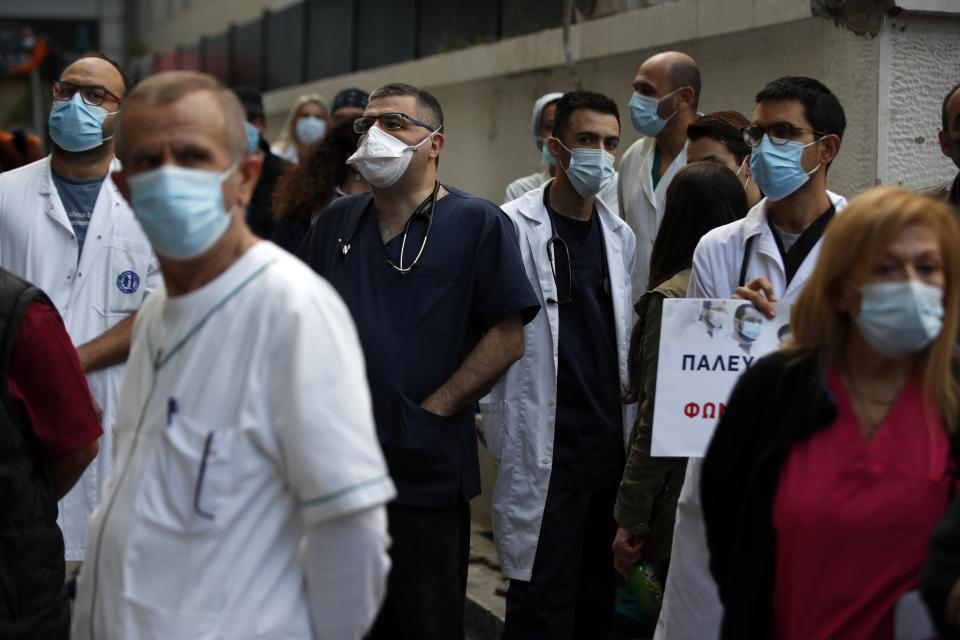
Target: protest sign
704,347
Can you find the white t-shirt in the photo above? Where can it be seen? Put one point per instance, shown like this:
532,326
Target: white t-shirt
244,417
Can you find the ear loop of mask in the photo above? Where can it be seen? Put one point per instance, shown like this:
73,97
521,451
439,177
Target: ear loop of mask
675,111
740,170
113,135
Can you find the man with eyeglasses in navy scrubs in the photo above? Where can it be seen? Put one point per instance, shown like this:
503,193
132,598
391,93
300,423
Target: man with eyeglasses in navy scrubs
435,283
555,425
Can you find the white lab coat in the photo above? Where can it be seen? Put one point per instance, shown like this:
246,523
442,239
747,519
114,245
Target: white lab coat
520,411
641,205
609,193
110,281
691,605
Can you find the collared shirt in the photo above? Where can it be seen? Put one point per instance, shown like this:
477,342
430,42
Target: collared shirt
244,418
418,328
520,186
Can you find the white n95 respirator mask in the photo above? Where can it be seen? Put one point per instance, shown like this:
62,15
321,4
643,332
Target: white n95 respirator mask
382,159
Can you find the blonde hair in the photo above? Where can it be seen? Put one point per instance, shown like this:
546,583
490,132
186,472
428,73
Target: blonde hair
853,240
288,135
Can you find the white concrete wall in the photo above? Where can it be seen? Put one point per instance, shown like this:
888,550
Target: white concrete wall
488,109
919,64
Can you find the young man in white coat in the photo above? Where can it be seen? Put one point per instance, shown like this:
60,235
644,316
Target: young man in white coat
66,228
666,93
555,424
795,134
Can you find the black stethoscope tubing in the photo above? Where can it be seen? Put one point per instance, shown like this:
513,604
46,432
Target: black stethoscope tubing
425,209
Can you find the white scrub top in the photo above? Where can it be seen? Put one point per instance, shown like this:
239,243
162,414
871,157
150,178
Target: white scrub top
244,418
641,205
92,290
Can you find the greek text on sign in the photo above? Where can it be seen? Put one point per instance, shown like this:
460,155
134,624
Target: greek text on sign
705,345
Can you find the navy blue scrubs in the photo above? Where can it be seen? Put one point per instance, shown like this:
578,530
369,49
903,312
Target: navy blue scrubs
417,329
571,591
588,437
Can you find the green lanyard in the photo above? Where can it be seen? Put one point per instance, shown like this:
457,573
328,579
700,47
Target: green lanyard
160,359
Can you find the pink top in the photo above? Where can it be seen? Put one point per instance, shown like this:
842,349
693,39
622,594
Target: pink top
853,517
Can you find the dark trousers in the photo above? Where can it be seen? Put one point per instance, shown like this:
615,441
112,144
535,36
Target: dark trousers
428,580
571,594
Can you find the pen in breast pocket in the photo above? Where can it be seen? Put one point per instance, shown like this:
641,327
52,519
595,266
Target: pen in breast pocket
171,410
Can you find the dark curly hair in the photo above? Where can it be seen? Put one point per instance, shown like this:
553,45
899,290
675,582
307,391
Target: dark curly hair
307,187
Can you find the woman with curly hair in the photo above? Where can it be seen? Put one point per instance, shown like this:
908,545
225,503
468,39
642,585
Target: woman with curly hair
305,189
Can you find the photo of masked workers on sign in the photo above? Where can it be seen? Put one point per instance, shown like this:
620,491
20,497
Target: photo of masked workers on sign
705,346
712,315
747,325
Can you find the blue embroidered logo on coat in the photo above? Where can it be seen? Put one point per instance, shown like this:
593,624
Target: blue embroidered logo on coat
128,282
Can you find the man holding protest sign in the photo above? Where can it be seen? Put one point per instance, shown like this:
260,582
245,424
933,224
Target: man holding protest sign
795,134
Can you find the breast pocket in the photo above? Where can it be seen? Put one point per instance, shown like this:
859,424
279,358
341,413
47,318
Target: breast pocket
191,477
121,268
430,302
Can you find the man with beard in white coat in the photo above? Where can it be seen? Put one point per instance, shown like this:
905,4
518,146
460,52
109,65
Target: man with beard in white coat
555,424
66,228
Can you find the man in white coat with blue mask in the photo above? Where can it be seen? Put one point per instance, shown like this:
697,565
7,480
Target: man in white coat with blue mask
555,424
768,256
66,228
666,92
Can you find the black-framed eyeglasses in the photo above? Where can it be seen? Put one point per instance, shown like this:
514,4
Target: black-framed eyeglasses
394,121
92,94
780,133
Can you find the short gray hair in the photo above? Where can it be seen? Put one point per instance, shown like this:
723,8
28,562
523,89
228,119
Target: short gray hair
171,86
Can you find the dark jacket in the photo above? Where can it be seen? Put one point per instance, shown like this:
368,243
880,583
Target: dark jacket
942,570
647,499
780,401
33,600
260,210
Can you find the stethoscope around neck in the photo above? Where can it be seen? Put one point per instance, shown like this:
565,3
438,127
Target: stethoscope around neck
555,242
424,210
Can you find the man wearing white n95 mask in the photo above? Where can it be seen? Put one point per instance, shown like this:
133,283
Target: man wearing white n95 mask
555,424
232,445
433,278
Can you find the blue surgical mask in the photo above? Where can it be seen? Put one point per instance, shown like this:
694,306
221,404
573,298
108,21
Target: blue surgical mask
310,129
777,169
644,114
548,158
750,330
253,137
181,210
900,318
589,171
77,126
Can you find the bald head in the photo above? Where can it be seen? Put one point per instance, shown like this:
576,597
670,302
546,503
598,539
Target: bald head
668,71
97,69
190,101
